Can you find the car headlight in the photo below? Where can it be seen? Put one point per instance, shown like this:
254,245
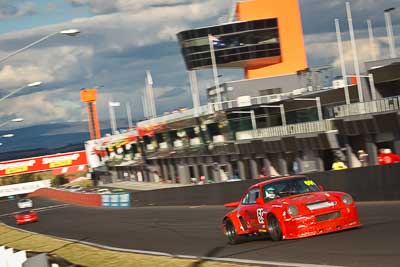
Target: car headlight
293,210
347,199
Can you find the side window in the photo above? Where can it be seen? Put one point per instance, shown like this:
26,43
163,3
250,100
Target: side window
246,199
253,195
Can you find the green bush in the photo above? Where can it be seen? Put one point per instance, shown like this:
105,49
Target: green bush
59,180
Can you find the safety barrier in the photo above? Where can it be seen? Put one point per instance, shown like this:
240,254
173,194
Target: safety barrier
85,199
119,200
10,259
372,183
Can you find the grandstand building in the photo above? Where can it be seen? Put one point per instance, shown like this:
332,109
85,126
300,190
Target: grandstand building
281,119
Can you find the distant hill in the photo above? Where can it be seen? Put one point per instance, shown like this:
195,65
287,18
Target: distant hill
39,140
39,152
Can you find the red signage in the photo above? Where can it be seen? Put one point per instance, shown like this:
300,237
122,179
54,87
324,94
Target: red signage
14,167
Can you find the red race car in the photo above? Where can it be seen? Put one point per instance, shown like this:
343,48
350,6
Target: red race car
288,208
26,216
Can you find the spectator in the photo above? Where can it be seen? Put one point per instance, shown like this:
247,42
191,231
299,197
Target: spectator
363,158
387,157
263,173
296,167
235,175
338,165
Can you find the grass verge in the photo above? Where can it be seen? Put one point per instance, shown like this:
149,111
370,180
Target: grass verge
91,256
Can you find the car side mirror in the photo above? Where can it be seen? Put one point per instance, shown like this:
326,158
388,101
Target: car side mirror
259,201
322,188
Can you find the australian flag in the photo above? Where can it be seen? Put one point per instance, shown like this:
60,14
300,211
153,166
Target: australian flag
217,42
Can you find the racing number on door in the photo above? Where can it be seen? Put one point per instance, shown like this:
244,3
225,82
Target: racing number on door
260,213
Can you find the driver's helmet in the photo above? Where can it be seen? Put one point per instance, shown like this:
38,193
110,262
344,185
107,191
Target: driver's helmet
270,192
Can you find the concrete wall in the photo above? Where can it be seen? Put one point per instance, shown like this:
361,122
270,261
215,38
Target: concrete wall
253,87
373,183
69,197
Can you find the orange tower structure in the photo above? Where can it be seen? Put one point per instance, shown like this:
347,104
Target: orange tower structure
288,15
88,96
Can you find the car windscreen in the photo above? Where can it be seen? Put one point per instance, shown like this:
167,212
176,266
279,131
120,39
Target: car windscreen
26,212
289,187
24,200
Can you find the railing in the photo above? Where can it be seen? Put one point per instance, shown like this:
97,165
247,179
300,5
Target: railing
179,115
256,100
212,107
381,105
292,129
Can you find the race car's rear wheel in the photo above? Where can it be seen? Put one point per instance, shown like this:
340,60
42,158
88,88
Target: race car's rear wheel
274,228
231,234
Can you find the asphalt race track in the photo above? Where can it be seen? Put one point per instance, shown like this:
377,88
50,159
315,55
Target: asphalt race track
196,231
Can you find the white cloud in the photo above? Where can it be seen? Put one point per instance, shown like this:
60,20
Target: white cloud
322,48
13,77
11,10
56,64
116,46
45,107
106,6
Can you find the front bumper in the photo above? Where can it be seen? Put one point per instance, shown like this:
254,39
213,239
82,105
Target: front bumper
23,221
321,223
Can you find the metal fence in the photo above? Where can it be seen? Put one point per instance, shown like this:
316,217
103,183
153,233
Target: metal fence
381,105
292,129
179,115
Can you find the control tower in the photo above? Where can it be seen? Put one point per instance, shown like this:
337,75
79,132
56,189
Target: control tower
265,40
88,96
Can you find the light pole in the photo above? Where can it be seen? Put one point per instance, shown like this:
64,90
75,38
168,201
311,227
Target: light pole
35,84
282,110
150,94
354,50
6,136
252,117
195,92
371,84
371,39
215,71
113,121
69,32
318,103
342,64
129,115
389,30
13,120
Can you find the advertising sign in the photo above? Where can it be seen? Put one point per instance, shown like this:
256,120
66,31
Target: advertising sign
92,157
43,163
22,188
116,200
244,101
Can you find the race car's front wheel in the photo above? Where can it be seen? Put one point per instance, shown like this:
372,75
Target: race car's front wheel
274,228
231,234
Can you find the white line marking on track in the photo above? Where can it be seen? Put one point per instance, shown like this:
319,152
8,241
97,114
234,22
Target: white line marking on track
156,253
36,209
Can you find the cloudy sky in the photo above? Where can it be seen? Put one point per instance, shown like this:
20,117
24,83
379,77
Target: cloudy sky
121,39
